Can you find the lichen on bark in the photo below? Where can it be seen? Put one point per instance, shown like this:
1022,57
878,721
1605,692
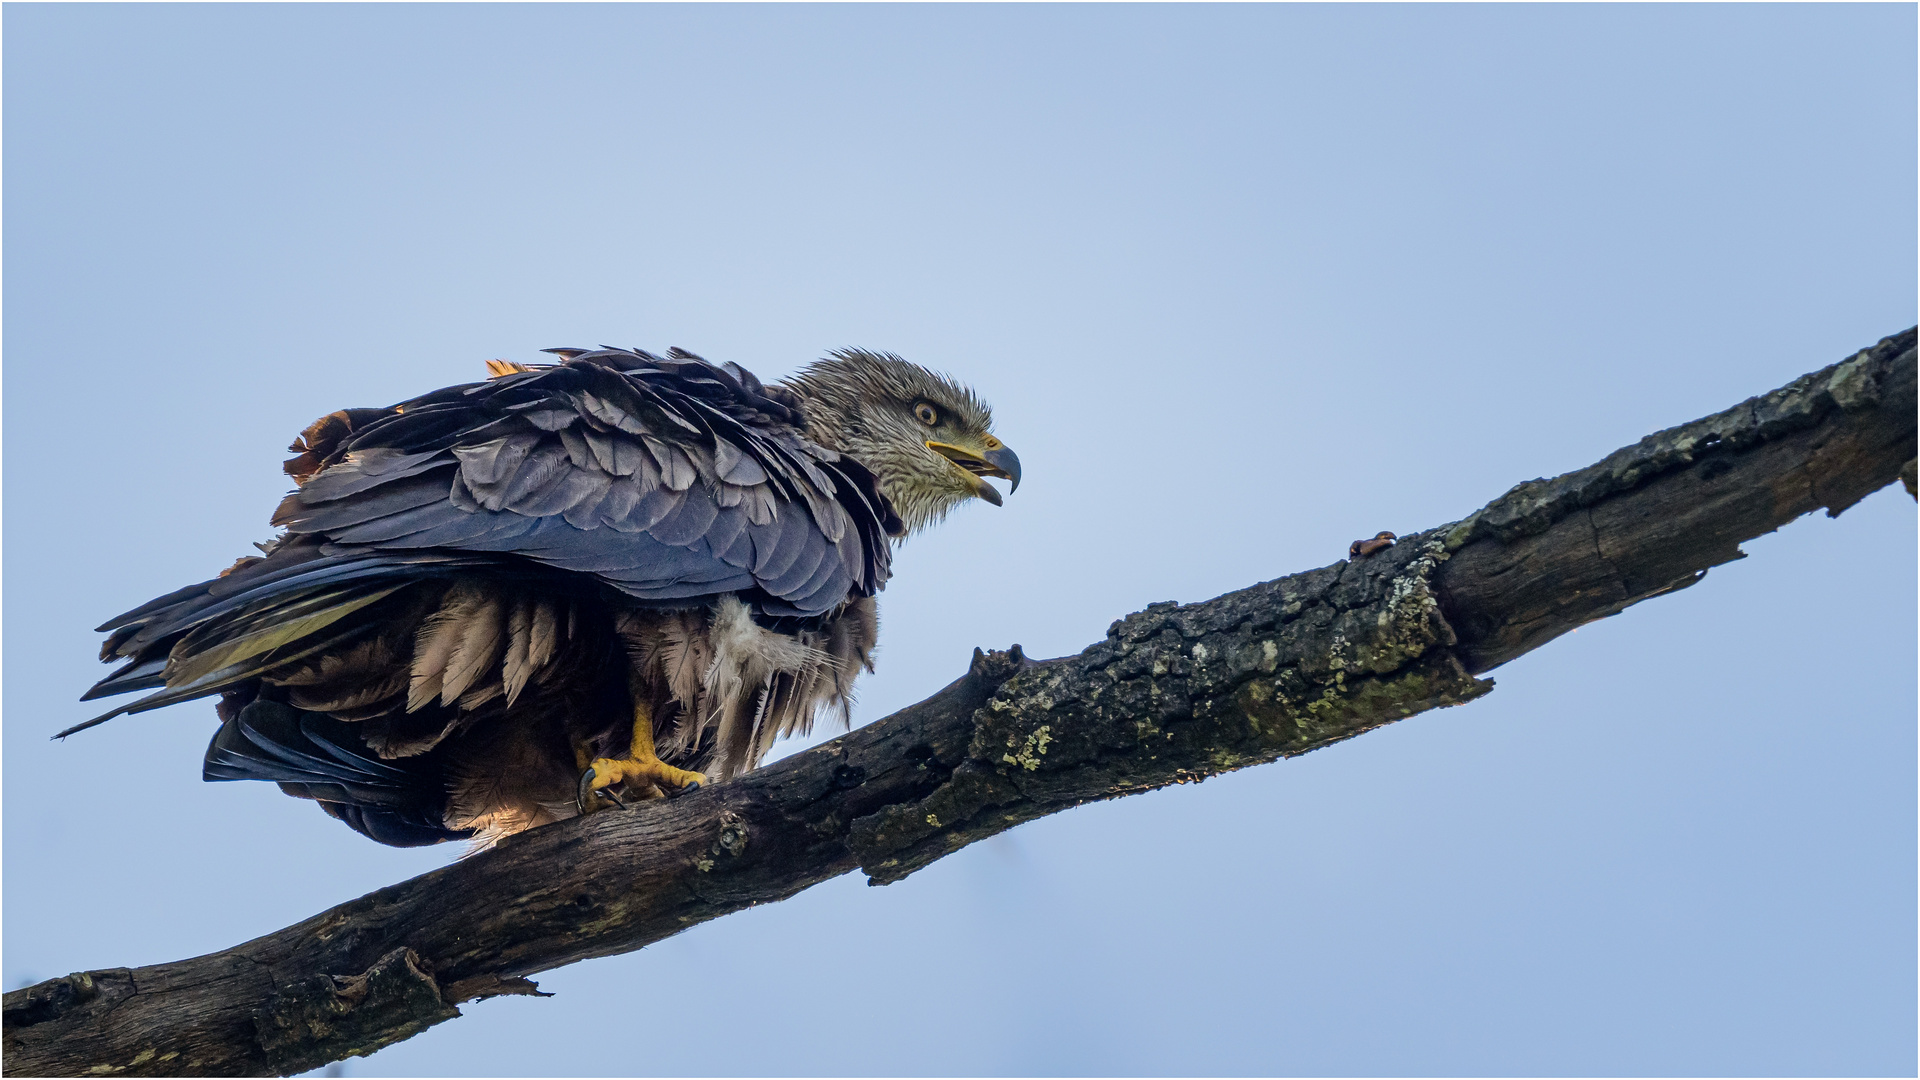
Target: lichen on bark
1178,693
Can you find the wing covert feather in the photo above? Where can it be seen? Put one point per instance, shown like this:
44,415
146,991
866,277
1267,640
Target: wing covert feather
660,477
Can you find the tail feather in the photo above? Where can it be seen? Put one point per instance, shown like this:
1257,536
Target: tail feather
158,603
311,756
214,682
298,601
136,674
271,627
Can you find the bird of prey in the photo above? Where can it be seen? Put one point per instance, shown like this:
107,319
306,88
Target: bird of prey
510,602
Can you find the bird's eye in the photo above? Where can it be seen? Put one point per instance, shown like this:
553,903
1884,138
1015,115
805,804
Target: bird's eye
928,414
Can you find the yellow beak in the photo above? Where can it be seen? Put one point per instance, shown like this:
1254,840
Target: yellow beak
992,459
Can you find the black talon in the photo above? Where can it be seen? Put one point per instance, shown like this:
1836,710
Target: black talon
674,793
585,794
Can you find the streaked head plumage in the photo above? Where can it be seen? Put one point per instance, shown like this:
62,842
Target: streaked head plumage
927,438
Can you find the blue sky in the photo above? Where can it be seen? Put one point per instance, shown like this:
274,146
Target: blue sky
1241,283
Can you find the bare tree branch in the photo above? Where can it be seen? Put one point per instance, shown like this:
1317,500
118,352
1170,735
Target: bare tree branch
1173,694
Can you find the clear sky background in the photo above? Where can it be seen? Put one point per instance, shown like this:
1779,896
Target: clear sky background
1242,284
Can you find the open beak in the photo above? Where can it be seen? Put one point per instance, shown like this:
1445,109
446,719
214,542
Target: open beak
993,460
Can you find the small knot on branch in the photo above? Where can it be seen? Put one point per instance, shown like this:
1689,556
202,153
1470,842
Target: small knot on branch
329,1017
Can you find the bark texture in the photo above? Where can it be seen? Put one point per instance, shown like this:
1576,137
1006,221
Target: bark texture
1174,693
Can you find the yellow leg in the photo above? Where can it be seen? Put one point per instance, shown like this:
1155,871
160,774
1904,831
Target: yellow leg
641,769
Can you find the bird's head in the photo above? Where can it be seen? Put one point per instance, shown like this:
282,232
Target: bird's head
926,439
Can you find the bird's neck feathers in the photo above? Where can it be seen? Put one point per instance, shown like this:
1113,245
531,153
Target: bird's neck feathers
917,505
861,403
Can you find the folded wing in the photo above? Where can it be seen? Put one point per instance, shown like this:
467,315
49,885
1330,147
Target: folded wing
671,480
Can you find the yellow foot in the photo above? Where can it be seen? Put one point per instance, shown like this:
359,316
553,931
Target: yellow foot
649,777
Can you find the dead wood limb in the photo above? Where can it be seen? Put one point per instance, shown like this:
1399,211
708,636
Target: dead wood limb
1174,693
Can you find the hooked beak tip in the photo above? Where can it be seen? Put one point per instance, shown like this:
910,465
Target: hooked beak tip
1008,463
